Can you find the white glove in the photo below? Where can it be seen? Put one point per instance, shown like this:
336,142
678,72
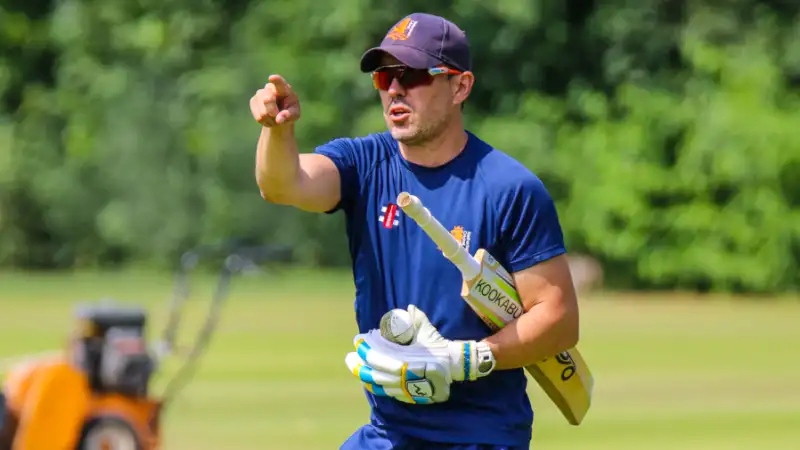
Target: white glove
422,371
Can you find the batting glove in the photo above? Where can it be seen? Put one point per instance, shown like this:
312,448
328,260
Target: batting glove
422,371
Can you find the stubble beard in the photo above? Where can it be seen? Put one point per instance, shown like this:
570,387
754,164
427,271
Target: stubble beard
422,133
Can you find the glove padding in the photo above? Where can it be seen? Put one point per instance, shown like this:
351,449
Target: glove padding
422,371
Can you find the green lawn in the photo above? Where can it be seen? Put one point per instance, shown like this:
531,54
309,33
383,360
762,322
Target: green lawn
679,374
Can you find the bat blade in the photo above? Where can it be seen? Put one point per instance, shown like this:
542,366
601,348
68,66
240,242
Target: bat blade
565,378
567,381
491,293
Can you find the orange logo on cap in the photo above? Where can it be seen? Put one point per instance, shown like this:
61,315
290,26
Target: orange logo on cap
402,30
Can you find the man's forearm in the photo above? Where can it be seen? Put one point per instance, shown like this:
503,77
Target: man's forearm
277,161
541,332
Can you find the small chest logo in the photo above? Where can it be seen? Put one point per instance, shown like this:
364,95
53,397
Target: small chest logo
461,235
388,216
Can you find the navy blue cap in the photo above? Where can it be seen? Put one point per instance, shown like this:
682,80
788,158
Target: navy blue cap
421,41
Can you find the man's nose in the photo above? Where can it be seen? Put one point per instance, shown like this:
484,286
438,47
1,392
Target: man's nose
396,89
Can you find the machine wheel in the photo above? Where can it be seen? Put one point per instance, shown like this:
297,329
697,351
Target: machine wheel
108,433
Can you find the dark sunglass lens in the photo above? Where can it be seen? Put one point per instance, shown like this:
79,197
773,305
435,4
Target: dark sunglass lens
408,78
382,80
413,78
383,76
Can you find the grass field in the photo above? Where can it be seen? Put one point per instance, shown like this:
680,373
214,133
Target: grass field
671,373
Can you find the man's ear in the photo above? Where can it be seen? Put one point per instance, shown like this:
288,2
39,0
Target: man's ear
462,87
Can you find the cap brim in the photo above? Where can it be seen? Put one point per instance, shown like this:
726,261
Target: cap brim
416,59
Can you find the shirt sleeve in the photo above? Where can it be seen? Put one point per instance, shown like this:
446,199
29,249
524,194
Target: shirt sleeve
345,157
530,228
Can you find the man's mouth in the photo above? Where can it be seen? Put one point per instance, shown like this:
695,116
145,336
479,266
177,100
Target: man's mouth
399,113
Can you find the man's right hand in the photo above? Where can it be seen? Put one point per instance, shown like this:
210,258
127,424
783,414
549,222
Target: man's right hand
275,104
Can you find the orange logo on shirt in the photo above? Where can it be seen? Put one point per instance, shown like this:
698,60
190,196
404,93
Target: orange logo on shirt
461,235
458,233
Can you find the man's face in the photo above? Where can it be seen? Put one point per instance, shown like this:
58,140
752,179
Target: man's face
418,114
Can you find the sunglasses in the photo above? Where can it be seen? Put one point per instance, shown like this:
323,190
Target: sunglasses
407,77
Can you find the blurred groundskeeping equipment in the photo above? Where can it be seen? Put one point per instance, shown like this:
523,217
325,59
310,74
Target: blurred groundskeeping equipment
97,393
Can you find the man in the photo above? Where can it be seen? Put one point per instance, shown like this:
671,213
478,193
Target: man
422,71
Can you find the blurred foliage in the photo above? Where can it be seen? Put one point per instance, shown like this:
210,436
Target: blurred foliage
665,130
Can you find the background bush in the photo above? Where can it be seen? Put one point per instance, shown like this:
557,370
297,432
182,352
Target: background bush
667,131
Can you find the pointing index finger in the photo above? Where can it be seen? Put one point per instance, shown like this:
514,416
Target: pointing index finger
281,86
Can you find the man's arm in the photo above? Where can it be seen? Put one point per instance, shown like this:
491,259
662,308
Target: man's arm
550,323
307,181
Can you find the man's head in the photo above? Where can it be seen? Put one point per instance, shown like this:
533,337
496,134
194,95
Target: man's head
422,70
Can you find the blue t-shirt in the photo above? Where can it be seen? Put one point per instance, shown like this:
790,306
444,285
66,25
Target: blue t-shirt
488,200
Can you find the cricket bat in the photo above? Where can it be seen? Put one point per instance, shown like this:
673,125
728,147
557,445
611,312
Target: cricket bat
490,291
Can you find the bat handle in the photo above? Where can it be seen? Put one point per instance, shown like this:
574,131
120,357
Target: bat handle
451,248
